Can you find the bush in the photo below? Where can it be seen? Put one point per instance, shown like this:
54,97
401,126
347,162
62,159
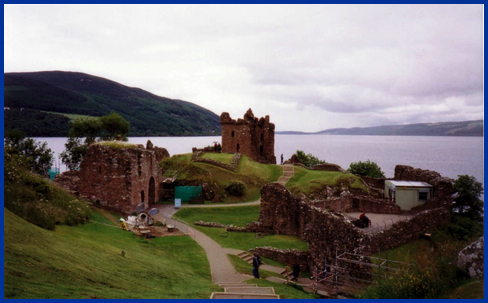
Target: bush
308,160
463,228
366,169
236,188
467,199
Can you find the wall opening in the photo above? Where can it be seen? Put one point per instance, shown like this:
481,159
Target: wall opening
99,170
139,168
152,191
233,134
142,196
237,148
262,137
261,149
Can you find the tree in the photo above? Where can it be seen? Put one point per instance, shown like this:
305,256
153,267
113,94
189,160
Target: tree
467,200
366,169
37,155
109,127
308,160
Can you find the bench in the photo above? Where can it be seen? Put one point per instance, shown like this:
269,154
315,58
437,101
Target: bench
170,227
196,200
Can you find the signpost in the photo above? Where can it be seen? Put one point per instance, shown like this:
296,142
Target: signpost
177,203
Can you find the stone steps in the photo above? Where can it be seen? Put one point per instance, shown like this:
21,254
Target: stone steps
247,257
244,291
226,295
250,290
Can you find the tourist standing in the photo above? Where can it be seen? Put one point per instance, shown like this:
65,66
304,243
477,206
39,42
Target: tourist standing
215,147
281,159
219,148
296,271
256,262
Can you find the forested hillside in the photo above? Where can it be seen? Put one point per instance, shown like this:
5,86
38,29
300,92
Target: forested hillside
64,93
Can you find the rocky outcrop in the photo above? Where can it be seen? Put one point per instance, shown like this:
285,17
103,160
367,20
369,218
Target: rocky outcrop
471,258
233,166
294,160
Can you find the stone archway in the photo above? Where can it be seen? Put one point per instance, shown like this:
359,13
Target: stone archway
152,192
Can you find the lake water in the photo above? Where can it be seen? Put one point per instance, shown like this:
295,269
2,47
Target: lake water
450,156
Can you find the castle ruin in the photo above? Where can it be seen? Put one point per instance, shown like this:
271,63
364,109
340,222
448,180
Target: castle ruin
250,136
121,179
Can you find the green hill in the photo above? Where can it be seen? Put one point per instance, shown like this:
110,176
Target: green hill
86,262
82,94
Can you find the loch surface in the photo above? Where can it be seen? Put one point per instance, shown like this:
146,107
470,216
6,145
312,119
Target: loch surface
450,156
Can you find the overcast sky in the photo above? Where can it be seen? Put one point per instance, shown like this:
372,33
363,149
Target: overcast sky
310,67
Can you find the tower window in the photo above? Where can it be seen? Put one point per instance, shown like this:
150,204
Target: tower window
233,134
237,147
262,137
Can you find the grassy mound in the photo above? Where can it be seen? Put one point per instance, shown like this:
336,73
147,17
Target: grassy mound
86,262
308,181
253,174
222,157
238,216
38,200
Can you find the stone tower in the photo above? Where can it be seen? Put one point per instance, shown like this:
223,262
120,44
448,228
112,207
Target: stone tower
250,136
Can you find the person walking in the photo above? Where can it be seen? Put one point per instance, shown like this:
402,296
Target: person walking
296,271
256,262
281,159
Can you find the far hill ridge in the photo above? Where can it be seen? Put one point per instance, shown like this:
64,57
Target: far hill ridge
42,94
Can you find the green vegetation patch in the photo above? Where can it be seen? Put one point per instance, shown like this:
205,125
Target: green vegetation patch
253,174
86,262
431,275
117,144
238,215
222,157
237,240
308,181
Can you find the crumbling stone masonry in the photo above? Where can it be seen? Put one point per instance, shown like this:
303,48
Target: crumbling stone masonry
122,179
250,136
327,232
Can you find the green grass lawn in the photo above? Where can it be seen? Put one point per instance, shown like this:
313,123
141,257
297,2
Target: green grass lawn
238,216
289,291
307,181
222,157
86,262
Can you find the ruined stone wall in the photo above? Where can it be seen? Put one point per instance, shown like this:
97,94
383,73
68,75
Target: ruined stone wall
250,136
324,231
329,167
285,256
403,232
350,203
119,178
233,166
377,183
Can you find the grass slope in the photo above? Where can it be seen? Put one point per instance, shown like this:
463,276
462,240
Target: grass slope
309,181
86,262
83,94
255,175
237,216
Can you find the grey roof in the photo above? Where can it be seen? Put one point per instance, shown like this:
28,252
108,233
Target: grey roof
409,183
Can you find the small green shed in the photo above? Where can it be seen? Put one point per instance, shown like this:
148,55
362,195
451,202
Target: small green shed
408,194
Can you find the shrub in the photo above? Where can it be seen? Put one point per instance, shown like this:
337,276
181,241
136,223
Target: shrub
467,199
236,188
367,169
464,228
308,160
